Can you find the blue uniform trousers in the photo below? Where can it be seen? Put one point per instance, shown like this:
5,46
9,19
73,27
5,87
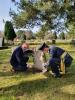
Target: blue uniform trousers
20,67
54,63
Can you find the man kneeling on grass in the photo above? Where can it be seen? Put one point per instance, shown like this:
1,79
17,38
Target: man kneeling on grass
58,61
20,58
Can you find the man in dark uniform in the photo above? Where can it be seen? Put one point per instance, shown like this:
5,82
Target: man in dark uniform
57,56
20,58
55,60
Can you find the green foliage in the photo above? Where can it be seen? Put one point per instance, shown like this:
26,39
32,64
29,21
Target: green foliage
40,34
25,35
43,12
54,36
71,32
53,41
21,35
3,42
73,42
35,13
62,36
9,31
43,31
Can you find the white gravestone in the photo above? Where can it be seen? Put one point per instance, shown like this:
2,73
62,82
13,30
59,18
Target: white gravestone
1,41
38,61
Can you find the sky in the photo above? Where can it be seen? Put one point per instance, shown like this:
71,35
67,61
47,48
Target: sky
5,6
4,12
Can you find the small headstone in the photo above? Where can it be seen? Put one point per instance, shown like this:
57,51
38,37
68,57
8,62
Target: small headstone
38,61
1,39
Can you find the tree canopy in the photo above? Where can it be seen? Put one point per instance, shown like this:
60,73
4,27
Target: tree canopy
44,13
62,36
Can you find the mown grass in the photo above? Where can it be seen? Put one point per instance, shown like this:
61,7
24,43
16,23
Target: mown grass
29,86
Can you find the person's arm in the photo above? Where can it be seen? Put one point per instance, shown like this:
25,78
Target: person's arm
28,52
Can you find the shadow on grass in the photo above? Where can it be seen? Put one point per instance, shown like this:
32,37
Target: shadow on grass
28,87
47,85
7,73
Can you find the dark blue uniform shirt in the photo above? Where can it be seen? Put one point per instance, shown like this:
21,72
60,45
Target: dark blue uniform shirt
18,57
56,52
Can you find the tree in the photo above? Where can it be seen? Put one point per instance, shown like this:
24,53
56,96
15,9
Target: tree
3,42
71,32
44,12
20,34
62,36
54,35
35,12
9,31
42,32
49,36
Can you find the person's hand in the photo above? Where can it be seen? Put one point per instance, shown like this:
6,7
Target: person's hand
33,49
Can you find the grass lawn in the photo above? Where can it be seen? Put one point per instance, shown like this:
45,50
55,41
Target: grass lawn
29,86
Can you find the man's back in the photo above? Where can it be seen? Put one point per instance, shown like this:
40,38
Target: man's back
56,52
15,58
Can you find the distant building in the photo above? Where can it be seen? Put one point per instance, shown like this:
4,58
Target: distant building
29,34
49,36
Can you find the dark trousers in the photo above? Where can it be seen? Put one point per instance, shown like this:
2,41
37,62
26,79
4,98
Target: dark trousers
20,68
54,63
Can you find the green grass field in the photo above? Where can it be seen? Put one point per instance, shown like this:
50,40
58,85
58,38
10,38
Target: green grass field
29,86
